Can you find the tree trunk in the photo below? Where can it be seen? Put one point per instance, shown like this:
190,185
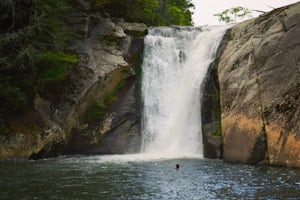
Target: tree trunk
164,8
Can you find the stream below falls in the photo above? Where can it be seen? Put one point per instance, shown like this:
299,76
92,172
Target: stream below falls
144,177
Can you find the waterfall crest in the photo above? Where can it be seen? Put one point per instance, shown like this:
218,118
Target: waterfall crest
175,63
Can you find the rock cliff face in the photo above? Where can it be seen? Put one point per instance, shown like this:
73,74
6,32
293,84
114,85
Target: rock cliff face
210,108
94,110
259,75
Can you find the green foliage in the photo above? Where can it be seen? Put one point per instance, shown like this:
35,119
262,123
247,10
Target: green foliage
56,65
218,132
96,112
11,99
110,98
56,73
233,14
33,38
59,57
111,42
263,132
152,12
179,13
98,108
121,84
99,3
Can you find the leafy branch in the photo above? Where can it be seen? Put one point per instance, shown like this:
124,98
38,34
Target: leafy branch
233,14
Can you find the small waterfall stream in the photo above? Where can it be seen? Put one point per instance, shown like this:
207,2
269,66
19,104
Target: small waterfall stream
175,63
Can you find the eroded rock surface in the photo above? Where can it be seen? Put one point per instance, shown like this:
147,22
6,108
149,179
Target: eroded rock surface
259,76
78,115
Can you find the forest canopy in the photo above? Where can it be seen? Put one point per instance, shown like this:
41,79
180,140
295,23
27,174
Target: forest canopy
34,38
150,12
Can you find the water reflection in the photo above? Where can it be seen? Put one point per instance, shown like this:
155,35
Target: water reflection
121,177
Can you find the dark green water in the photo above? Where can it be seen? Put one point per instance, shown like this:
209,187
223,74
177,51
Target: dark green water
137,177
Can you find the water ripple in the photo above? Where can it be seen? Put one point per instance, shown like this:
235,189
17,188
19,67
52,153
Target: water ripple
117,177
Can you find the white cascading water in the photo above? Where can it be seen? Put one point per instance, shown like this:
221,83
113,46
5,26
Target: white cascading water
174,66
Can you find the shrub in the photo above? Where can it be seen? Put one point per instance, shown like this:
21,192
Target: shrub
33,41
11,99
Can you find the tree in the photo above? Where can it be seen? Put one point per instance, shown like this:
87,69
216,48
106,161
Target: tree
152,12
179,12
33,40
164,8
233,14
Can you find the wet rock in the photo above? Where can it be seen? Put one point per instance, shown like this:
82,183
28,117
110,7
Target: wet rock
210,108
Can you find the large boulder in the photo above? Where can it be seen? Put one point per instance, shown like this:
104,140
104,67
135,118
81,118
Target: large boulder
104,78
259,75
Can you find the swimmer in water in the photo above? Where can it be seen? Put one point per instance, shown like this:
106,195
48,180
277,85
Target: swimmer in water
177,166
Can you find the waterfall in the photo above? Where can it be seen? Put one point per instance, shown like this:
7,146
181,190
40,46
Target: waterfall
175,63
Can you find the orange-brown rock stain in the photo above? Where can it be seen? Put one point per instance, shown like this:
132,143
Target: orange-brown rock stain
239,135
283,147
